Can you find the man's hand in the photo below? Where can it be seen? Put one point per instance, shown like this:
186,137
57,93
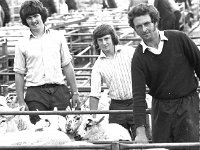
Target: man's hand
141,135
76,101
23,104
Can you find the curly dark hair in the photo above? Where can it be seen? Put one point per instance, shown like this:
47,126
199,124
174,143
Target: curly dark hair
102,30
32,7
143,9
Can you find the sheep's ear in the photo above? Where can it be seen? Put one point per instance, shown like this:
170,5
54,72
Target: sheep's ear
100,120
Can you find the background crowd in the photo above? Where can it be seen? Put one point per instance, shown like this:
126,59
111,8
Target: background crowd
170,12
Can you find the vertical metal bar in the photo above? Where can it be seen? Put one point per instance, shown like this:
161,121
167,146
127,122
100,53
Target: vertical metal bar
115,146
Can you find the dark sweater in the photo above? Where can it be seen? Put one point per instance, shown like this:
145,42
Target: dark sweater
169,75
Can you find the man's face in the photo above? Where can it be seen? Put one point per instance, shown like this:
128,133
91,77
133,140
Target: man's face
105,43
34,21
144,27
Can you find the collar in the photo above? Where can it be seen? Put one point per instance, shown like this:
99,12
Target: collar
162,38
32,36
117,49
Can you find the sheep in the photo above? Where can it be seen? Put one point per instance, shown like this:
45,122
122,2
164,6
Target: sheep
74,121
29,134
86,128
30,137
56,122
12,123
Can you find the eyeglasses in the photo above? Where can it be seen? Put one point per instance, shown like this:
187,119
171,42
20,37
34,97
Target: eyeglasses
146,24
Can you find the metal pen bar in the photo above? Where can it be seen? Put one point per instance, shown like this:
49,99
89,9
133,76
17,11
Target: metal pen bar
96,146
160,145
63,112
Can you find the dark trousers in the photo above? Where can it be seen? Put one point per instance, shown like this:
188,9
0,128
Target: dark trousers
126,120
47,97
176,120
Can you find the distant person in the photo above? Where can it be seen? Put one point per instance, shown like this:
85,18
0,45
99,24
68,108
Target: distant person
188,3
111,4
169,14
72,5
6,12
63,8
177,13
50,5
133,3
105,5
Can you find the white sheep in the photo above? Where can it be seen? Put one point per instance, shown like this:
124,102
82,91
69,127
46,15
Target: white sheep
18,130
56,122
12,123
88,128
30,137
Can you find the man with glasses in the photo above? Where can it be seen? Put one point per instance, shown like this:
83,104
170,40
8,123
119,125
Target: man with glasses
165,61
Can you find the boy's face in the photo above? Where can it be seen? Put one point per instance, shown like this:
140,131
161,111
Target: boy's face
105,43
35,21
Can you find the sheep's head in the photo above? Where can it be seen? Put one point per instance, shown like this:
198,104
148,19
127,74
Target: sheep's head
87,124
78,125
56,122
73,123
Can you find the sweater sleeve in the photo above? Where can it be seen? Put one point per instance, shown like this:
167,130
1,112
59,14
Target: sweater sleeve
139,88
192,53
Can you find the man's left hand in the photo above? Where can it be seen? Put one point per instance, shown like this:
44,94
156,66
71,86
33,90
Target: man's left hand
76,101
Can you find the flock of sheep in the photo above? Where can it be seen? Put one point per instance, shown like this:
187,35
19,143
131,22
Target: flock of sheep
56,129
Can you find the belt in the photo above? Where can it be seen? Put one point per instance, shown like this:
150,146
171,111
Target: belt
122,101
48,85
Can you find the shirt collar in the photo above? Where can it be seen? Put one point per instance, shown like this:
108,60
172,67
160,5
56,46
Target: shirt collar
162,38
32,36
117,49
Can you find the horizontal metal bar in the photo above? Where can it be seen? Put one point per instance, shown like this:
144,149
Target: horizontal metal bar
63,112
82,69
82,74
95,146
107,146
86,56
160,145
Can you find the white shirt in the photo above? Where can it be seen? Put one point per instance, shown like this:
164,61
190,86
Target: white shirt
42,59
115,72
160,45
